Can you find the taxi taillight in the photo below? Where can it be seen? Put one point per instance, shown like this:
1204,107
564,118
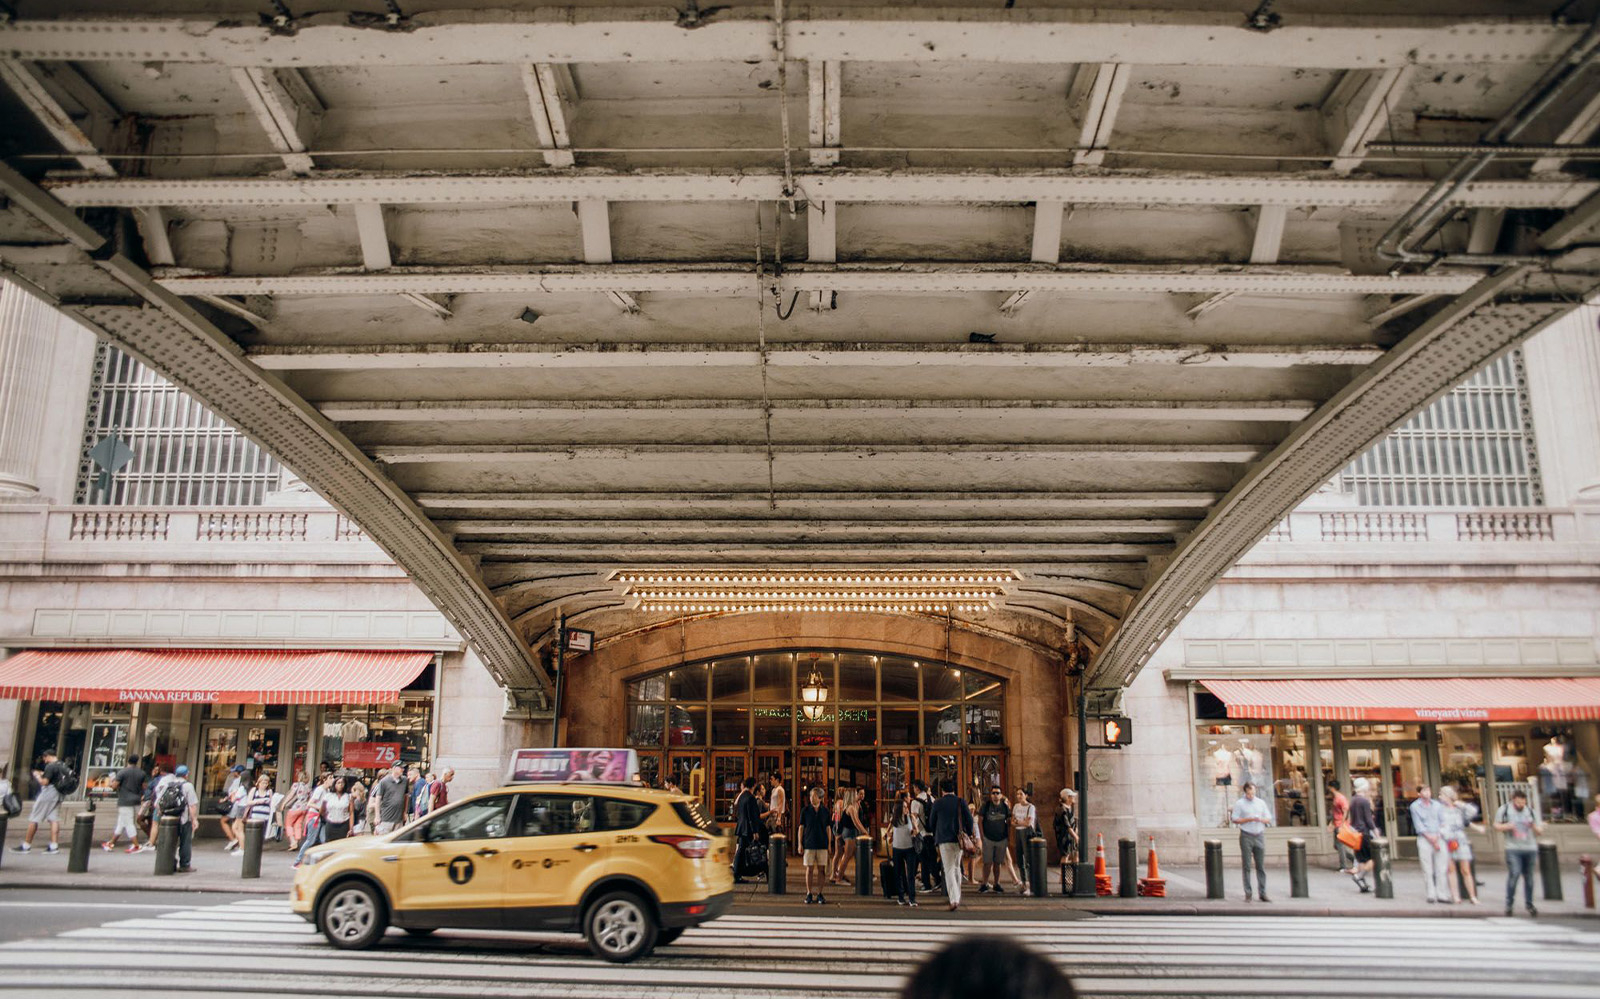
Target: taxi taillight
693,847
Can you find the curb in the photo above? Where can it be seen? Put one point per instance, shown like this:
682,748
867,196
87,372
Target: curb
175,883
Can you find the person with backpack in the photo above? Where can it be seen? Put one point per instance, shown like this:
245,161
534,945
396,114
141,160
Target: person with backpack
927,855
56,780
1521,826
176,798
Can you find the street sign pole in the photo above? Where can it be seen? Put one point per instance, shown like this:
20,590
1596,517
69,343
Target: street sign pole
561,678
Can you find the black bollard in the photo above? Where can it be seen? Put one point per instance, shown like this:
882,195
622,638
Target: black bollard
82,840
255,832
167,845
1380,868
777,864
1127,868
4,821
1299,884
863,865
1038,878
1550,872
1214,868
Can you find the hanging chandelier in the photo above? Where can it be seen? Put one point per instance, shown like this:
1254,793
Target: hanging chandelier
813,694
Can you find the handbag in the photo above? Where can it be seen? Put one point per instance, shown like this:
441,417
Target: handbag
969,845
1347,835
12,805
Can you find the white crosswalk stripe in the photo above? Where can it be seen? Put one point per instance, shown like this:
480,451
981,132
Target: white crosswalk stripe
259,948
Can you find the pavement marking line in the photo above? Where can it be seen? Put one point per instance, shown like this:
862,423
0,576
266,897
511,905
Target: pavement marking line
589,970
91,905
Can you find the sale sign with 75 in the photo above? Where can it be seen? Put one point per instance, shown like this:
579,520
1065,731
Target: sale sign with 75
370,755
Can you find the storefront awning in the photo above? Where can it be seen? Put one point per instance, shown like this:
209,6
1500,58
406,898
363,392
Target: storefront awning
211,676
1467,699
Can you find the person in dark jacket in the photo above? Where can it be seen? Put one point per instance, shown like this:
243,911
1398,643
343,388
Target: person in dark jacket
950,820
1365,822
747,825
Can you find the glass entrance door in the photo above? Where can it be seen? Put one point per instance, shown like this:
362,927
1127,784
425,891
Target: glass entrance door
1395,769
257,747
895,773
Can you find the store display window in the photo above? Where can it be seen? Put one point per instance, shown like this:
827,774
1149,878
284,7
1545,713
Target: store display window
1556,764
1273,757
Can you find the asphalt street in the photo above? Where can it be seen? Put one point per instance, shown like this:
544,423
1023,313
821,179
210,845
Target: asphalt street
254,946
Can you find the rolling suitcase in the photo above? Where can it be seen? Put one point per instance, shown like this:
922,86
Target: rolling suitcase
886,877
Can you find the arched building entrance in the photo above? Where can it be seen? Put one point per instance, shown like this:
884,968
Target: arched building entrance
825,718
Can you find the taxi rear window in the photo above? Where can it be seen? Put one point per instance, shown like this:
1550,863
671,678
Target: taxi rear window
694,815
617,814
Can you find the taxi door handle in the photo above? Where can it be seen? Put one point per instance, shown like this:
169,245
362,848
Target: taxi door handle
585,847
392,858
486,852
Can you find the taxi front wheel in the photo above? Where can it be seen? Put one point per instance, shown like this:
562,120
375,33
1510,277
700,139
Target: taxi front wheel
619,927
352,916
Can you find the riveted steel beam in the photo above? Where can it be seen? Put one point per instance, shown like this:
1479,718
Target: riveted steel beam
726,278
563,454
908,186
652,410
569,35
369,357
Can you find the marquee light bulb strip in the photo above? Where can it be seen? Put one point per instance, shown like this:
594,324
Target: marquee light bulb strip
747,592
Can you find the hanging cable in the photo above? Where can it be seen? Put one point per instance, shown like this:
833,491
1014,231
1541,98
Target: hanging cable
761,347
783,102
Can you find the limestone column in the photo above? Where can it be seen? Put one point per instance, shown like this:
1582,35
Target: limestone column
1563,365
27,349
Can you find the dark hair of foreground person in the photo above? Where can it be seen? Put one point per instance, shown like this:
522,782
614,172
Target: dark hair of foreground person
987,968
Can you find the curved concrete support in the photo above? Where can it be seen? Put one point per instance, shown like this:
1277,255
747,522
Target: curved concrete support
1496,314
184,346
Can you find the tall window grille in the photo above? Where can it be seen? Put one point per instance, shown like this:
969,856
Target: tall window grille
1473,447
184,454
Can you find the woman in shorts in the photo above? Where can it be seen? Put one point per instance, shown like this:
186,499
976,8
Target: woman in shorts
1458,818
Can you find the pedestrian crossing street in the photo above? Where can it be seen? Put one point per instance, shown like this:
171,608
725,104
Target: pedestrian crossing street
259,948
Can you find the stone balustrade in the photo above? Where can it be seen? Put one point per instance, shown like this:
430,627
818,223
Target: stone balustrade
1519,526
175,534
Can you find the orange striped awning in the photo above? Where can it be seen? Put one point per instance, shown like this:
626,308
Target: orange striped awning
1446,699
211,676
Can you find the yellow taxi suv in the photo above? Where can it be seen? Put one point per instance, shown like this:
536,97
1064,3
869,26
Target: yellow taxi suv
627,866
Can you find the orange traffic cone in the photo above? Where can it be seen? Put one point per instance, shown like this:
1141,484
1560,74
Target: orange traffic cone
1153,885
1102,879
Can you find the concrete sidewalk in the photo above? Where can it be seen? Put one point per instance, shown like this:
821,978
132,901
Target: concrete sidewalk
214,870
1331,893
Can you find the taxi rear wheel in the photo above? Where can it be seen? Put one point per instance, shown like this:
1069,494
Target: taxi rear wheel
620,927
667,936
352,916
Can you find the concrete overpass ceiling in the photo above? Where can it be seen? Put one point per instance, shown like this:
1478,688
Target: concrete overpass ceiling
1087,298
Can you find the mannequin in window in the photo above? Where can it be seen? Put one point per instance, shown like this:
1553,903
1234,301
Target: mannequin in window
1555,778
1249,759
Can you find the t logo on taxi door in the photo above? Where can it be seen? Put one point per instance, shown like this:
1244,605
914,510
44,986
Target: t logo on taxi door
460,870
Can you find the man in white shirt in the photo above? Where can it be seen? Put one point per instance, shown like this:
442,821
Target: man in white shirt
1252,816
777,803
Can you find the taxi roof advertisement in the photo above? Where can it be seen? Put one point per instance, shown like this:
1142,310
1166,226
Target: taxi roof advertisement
612,766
